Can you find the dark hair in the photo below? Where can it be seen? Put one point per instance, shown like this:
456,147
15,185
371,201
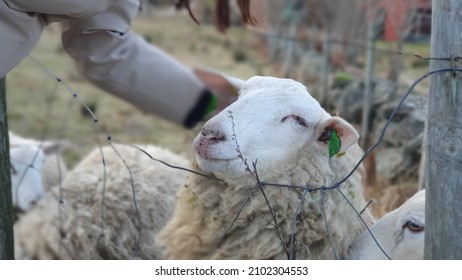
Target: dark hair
222,12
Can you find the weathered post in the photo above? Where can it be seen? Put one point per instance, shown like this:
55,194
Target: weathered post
369,86
443,167
324,100
366,122
6,216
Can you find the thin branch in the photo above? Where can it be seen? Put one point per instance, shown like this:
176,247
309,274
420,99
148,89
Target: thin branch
255,177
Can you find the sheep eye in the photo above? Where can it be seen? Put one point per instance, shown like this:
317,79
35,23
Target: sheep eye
414,227
301,121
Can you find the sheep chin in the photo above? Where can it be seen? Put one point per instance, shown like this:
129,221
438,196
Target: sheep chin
231,167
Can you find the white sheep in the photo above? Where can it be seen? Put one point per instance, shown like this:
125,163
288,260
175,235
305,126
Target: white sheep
80,228
26,180
400,233
276,125
53,166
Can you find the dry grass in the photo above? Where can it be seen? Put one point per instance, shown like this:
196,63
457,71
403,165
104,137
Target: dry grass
389,197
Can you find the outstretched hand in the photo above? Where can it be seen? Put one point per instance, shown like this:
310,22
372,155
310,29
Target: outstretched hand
225,89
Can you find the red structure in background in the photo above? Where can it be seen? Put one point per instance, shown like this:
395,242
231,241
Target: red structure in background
396,17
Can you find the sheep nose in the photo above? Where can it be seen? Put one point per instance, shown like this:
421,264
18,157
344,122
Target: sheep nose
33,202
213,135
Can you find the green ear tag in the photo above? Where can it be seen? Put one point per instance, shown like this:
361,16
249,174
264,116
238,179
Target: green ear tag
334,145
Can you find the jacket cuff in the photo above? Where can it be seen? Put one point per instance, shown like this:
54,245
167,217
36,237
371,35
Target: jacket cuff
201,109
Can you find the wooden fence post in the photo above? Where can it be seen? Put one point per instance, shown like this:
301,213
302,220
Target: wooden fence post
324,100
373,29
369,87
443,168
6,216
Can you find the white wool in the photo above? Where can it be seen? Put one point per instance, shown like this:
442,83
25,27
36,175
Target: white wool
400,233
53,171
74,229
54,167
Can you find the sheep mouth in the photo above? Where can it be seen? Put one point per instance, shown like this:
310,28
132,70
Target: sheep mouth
211,158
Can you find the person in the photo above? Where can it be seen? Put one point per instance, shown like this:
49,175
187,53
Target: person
97,35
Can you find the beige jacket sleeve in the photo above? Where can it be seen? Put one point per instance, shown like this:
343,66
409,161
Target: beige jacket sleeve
109,54
22,23
19,33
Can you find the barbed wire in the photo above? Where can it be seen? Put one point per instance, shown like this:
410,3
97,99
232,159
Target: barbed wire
326,224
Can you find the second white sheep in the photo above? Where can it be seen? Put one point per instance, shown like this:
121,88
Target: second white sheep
399,233
104,217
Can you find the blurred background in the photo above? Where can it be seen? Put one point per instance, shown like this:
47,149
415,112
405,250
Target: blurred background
357,57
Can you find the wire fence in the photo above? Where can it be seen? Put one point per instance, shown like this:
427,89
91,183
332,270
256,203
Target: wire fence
289,240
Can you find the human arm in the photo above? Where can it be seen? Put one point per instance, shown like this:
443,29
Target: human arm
110,55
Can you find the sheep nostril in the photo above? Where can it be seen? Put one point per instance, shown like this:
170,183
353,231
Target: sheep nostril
218,137
34,202
213,135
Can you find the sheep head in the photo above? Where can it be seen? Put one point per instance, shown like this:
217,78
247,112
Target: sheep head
272,123
26,179
26,158
400,233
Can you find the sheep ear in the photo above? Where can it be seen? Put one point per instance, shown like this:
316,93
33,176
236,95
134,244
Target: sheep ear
218,82
55,146
346,133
